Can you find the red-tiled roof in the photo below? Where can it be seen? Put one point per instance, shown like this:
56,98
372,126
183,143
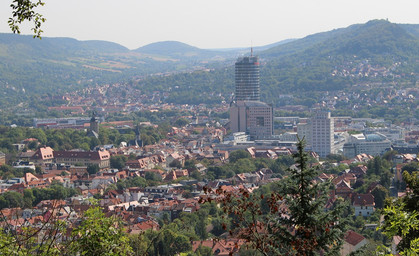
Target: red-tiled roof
364,199
353,238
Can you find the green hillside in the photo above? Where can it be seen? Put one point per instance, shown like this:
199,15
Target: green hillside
178,50
375,52
413,29
378,44
55,65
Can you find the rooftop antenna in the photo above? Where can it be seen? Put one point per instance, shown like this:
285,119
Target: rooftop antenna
251,48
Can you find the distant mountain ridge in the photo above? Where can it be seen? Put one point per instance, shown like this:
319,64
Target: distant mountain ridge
176,49
55,65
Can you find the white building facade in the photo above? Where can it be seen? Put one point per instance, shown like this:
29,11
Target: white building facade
322,133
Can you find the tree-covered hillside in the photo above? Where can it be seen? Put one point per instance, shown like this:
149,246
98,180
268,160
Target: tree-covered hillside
375,52
31,67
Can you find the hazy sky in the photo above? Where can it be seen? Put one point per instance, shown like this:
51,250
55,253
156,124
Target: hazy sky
208,23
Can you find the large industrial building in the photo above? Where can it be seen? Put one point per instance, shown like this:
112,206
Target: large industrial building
371,144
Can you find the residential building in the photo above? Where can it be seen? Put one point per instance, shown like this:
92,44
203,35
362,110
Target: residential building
352,242
84,158
102,180
43,155
363,204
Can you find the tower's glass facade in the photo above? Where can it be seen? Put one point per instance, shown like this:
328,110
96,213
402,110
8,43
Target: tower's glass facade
247,79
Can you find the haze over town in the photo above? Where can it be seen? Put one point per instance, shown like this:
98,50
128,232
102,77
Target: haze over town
208,24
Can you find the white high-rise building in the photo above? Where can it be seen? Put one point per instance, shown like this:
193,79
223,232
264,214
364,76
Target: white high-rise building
322,134
304,132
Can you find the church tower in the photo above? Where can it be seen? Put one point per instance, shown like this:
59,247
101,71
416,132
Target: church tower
94,126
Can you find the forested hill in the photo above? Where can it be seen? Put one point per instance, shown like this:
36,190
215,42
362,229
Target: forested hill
375,52
31,66
378,51
358,37
175,49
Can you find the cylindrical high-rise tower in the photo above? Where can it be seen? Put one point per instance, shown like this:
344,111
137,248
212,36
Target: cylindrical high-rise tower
247,79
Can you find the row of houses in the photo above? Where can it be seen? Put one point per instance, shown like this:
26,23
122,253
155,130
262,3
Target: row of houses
46,155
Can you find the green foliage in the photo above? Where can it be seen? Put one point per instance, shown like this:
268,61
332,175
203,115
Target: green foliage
243,165
8,172
166,242
181,122
11,199
25,11
219,172
118,161
202,251
131,182
402,218
95,235
380,193
402,223
335,158
31,197
234,156
281,164
411,167
98,235
379,170
59,139
176,163
93,168
150,135
25,242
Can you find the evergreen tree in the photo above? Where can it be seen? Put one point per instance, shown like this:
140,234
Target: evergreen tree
296,220
307,228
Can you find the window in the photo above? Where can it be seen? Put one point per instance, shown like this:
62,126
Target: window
260,121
